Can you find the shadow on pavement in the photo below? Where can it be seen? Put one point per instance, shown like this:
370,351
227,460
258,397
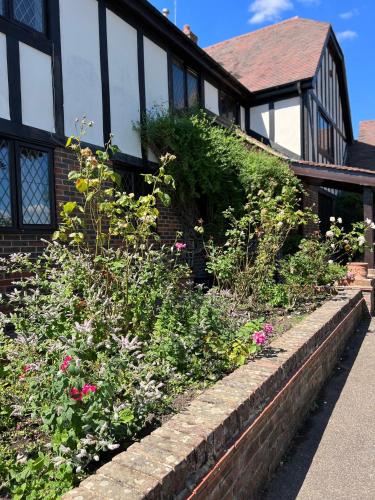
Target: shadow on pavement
289,477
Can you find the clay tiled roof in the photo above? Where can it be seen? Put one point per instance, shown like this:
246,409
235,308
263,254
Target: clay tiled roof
362,152
367,132
283,53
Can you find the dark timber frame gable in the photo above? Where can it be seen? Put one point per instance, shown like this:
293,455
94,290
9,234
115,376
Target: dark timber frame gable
305,89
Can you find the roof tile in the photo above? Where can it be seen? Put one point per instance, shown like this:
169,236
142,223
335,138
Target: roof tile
275,55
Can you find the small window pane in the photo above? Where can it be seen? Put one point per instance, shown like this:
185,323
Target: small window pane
29,12
192,90
1,7
35,191
178,86
5,201
228,108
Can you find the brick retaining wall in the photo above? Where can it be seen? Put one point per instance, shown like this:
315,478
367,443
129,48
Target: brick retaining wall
230,439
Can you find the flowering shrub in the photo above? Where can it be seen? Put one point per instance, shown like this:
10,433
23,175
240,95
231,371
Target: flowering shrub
104,335
246,263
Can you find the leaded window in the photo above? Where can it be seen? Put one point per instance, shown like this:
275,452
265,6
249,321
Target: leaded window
192,89
227,107
29,12
132,181
325,139
26,195
178,78
35,187
5,199
185,86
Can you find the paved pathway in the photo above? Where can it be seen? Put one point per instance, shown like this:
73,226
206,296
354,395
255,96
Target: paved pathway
333,457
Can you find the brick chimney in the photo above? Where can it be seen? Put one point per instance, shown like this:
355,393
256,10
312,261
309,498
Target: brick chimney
186,29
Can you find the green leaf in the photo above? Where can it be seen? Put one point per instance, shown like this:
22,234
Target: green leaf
82,185
69,207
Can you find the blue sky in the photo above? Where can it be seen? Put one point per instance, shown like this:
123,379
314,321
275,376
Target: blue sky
352,20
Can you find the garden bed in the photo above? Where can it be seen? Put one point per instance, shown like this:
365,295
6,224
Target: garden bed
232,436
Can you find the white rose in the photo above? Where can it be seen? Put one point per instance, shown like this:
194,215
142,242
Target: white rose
333,245
361,240
339,220
330,262
329,234
373,225
332,219
368,221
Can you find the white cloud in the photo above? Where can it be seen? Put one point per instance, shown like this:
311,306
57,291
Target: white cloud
349,14
268,10
347,35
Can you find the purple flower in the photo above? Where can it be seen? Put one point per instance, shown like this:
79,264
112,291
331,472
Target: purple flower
259,338
180,246
268,328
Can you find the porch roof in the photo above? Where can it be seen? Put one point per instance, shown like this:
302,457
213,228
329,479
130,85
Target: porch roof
338,174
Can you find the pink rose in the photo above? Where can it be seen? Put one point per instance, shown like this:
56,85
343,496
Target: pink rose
75,394
65,364
259,338
267,328
88,388
180,246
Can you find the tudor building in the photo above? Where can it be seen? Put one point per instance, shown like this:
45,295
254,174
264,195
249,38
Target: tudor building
113,60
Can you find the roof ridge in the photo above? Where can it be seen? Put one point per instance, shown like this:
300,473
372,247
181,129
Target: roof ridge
244,35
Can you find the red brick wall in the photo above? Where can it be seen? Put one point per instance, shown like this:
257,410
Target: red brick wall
30,242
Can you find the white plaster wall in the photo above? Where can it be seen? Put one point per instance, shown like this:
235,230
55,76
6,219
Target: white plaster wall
211,98
288,124
260,120
4,91
36,88
156,75
123,84
80,53
243,118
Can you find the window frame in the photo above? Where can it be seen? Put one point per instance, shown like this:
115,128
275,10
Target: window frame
327,154
186,70
14,156
8,15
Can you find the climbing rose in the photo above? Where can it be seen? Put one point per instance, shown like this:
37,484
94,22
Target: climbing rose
268,328
259,338
75,394
180,246
329,234
66,362
88,388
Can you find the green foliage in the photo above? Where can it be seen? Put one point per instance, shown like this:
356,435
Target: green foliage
209,158
246,263
104,336
261,170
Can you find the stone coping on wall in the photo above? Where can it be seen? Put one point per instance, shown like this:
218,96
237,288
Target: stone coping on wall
231,437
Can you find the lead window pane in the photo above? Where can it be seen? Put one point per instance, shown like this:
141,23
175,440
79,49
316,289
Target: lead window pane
178,79
29,12
5,189
35,187
192,89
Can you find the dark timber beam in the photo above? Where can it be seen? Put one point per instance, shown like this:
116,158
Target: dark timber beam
368,213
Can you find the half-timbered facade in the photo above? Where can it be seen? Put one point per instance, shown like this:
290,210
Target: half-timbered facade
114,60
295,70
111,61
